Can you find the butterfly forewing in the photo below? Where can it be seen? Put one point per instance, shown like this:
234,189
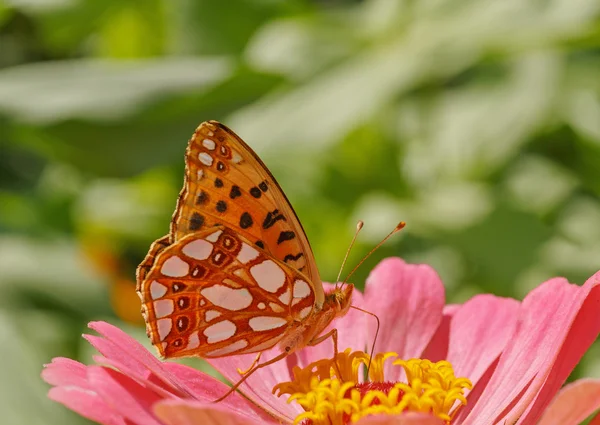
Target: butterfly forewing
226,183
213,293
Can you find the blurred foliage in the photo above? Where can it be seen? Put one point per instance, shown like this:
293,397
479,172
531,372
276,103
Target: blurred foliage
475,121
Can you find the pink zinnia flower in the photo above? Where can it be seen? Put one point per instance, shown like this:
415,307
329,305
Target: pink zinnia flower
490,361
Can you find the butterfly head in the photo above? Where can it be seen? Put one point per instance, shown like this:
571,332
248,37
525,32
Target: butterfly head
340,299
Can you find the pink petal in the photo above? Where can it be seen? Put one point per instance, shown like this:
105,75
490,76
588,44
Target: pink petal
409,300
125,361
479,331
547,320
437,349
124,395
148,380
178,412
582,332
209,389
259,386
403,419
131,356
62,371
87,403
574,403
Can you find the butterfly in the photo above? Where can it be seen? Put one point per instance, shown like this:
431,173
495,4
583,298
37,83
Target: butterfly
236,273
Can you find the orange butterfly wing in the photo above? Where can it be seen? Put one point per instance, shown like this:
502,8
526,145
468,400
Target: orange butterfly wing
226,183
213,294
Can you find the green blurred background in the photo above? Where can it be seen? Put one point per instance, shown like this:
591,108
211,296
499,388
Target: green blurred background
476,122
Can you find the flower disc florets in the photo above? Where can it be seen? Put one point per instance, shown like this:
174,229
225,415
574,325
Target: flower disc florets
331,392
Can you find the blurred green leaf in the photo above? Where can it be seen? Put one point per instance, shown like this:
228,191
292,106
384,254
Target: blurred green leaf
101,90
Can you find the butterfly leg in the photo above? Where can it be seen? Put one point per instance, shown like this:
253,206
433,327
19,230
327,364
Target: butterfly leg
250,372
334,337
254,363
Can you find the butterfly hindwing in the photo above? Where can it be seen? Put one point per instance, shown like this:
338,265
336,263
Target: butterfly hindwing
213,293
226,183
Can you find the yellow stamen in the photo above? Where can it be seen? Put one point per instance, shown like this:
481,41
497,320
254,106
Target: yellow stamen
331,400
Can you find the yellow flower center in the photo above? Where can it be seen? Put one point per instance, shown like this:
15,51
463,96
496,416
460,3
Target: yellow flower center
331,394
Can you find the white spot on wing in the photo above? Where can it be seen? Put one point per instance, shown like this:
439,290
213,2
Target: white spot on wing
268,275
305,312
198,249
163,308
285,297
247,253
164,327
213,237
228,298
175,267
236,157
211,314
193,342
157,290
220,331
265,345
301,289
209,144
228,349
200,174
211,134
264,323
262,306
205,158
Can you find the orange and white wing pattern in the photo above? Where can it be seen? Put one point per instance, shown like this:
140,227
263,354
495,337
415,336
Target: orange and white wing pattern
213,293
226,183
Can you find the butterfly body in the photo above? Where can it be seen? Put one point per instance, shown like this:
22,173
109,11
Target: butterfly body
306,332
236,274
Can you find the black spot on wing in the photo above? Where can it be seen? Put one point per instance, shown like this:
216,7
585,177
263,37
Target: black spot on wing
221,206
246,220
202,198
285,236
291,257
255,192
178,287
182,323
272,218
235,192
196,221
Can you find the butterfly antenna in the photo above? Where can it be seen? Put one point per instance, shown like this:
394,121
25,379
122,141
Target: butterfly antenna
376,334
359,226
399,227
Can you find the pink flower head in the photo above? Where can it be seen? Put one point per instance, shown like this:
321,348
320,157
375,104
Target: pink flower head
511,359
